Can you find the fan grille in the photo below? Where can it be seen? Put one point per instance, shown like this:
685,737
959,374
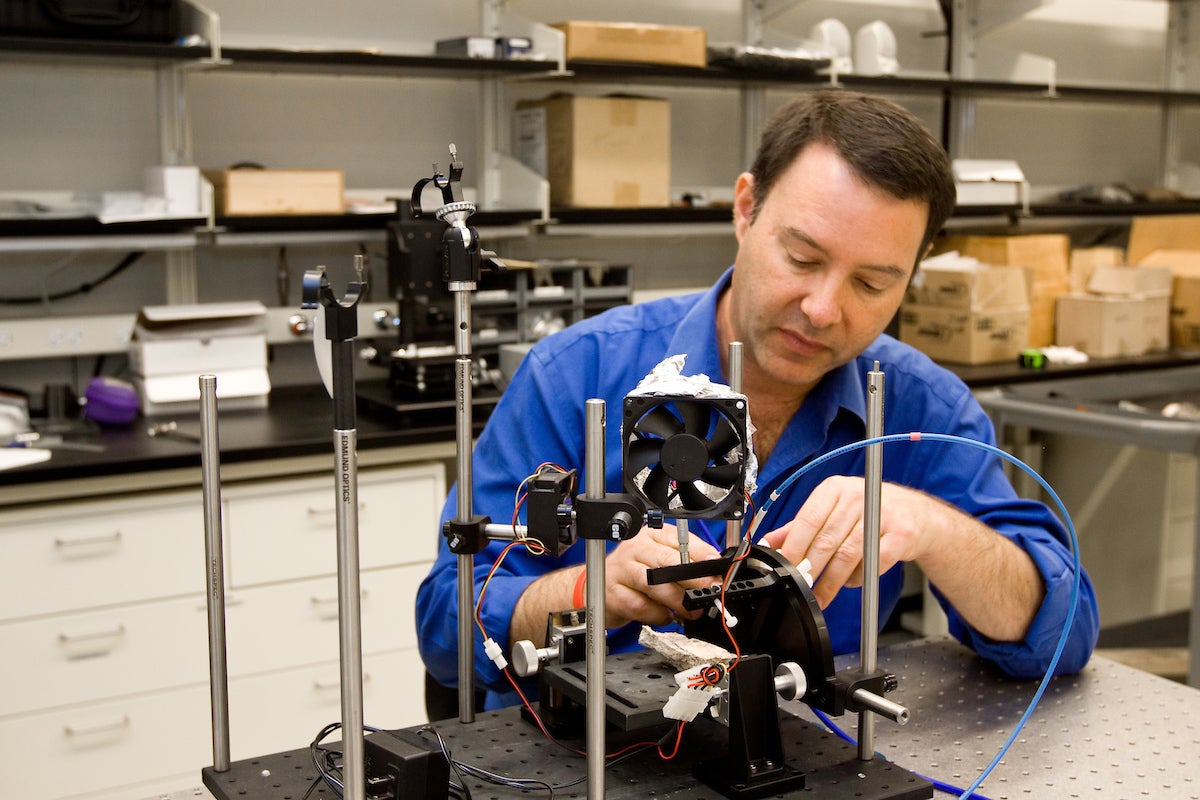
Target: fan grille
686,455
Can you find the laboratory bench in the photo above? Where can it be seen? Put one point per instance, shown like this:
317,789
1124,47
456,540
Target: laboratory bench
108,600
1110,731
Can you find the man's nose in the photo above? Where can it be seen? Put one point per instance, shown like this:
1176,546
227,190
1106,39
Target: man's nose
823,303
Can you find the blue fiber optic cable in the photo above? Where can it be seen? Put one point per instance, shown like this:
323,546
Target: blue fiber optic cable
1075,585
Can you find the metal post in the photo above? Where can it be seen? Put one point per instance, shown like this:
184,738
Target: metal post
218,673
595,554
349,625
870,588
341,326
733,527
465,508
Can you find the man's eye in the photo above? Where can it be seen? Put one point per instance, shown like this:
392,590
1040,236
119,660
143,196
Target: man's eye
871,288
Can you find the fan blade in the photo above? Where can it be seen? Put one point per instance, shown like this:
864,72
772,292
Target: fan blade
724,438
656,486
693,499
695,417
642,453
723,475
659,422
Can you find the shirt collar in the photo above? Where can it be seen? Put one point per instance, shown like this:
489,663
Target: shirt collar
696,336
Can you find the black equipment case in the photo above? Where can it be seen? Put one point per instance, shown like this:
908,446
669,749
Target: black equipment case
130,20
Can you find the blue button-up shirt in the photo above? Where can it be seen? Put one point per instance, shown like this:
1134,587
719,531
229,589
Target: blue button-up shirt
540,418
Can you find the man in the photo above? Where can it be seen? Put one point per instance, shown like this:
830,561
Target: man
844,198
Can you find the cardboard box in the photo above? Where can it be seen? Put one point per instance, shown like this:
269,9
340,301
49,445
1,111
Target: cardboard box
1047,253
1175,232
987,182
962,336
679,45
1043,298
1085,259
262,192
598,152
1185,293
978,288
172,346
1128,281
1112,325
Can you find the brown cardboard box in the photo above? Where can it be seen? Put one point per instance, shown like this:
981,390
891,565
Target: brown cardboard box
1043,298
962,336
1185,293
598,152
1046,254
627,41
1145,280
1113,325
1175,232
259,192
978,289
1085,259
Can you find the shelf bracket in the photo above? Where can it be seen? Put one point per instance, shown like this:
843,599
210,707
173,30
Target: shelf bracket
549,43
972,58
205,23
992,15
1183,28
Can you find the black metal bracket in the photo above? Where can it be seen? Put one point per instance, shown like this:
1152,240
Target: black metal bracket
755,764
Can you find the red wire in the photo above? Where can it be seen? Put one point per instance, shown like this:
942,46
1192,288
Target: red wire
675,751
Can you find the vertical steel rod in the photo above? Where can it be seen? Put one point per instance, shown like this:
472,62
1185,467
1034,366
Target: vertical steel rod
218,672
464,434
595,553
872,501
733,527
349,624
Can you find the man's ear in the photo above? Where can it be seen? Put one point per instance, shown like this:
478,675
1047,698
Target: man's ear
743,204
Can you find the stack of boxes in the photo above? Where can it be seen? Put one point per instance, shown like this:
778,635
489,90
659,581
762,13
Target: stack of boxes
961,311
612,151
1046,259
1091,299
1173,242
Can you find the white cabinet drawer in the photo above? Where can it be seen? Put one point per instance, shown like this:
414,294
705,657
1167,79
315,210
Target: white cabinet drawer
273,627
89,748
91,656
141,739
285,710
288,529
85,555
97,655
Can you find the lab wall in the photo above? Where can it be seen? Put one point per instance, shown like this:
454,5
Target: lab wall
68,129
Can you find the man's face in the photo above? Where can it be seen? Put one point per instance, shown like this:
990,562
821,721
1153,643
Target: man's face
819,273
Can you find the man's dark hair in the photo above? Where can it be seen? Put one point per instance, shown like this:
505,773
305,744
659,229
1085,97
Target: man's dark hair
884,143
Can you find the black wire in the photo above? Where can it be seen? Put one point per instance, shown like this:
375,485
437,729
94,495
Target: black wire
82,288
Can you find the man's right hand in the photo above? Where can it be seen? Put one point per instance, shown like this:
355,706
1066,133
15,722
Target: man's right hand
628,598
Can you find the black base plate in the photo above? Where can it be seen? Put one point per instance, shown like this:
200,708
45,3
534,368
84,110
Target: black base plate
502,742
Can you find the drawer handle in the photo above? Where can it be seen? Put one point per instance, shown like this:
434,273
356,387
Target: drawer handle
86,645
326,607
325,686
87,545
100,727
322,512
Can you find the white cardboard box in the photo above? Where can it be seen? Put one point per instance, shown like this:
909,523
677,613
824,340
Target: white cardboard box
172,346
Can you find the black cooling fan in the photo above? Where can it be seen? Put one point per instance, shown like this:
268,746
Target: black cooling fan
686,455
